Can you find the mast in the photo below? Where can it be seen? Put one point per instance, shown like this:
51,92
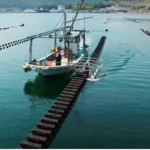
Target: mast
30,50
84,40
68,34
68,51
76,15
55,44
84,32
65,19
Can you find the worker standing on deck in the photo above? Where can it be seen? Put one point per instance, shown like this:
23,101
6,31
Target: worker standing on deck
58,57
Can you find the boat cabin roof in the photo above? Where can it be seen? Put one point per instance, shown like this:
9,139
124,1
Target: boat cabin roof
75,34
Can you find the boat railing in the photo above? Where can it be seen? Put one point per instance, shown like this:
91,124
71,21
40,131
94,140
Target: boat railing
92,65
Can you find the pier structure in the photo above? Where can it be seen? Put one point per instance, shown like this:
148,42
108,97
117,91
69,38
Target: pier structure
45,131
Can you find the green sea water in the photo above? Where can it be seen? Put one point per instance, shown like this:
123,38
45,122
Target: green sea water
111,113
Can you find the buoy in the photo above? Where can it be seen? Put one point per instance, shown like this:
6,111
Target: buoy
25,68
53,50
21,25
106,30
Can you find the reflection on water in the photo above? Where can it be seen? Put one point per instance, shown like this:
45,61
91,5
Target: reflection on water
45,88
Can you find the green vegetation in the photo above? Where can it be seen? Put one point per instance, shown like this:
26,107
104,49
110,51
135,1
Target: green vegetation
84,6
48,4
92,6
24,4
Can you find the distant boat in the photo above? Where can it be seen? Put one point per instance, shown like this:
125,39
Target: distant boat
136,21
22,25
145,31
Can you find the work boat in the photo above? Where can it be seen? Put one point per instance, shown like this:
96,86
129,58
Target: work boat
73,50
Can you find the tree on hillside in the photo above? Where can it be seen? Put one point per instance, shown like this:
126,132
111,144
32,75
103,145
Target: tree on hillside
68,6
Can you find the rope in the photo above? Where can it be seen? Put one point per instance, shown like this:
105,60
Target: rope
58,22
72,7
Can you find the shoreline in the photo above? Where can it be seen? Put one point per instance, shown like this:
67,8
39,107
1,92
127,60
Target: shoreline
148,13
131,13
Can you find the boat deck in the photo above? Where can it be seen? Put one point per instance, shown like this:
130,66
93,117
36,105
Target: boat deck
64,62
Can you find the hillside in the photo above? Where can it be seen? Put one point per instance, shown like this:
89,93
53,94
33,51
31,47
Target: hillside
126,3
24,4
35,3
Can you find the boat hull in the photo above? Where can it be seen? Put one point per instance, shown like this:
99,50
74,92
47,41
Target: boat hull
56,70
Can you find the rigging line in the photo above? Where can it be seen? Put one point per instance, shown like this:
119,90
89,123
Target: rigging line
68,18
58,22
81,2
72,7
74,4
66,15
62,27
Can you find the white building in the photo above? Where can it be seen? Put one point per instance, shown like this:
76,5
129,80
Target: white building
69,11
29,11
103,10
61,8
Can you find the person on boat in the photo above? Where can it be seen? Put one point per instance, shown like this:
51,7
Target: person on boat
58,57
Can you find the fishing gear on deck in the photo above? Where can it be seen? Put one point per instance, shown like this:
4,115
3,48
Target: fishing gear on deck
6,28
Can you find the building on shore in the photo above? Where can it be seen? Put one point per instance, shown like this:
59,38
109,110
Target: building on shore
69,11
29,11
42,10
60,9
10,10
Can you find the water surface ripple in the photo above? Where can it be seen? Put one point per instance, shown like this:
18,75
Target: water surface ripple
111,113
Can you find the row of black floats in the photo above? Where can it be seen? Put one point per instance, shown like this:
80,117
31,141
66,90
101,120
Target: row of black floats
7,45
45,130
